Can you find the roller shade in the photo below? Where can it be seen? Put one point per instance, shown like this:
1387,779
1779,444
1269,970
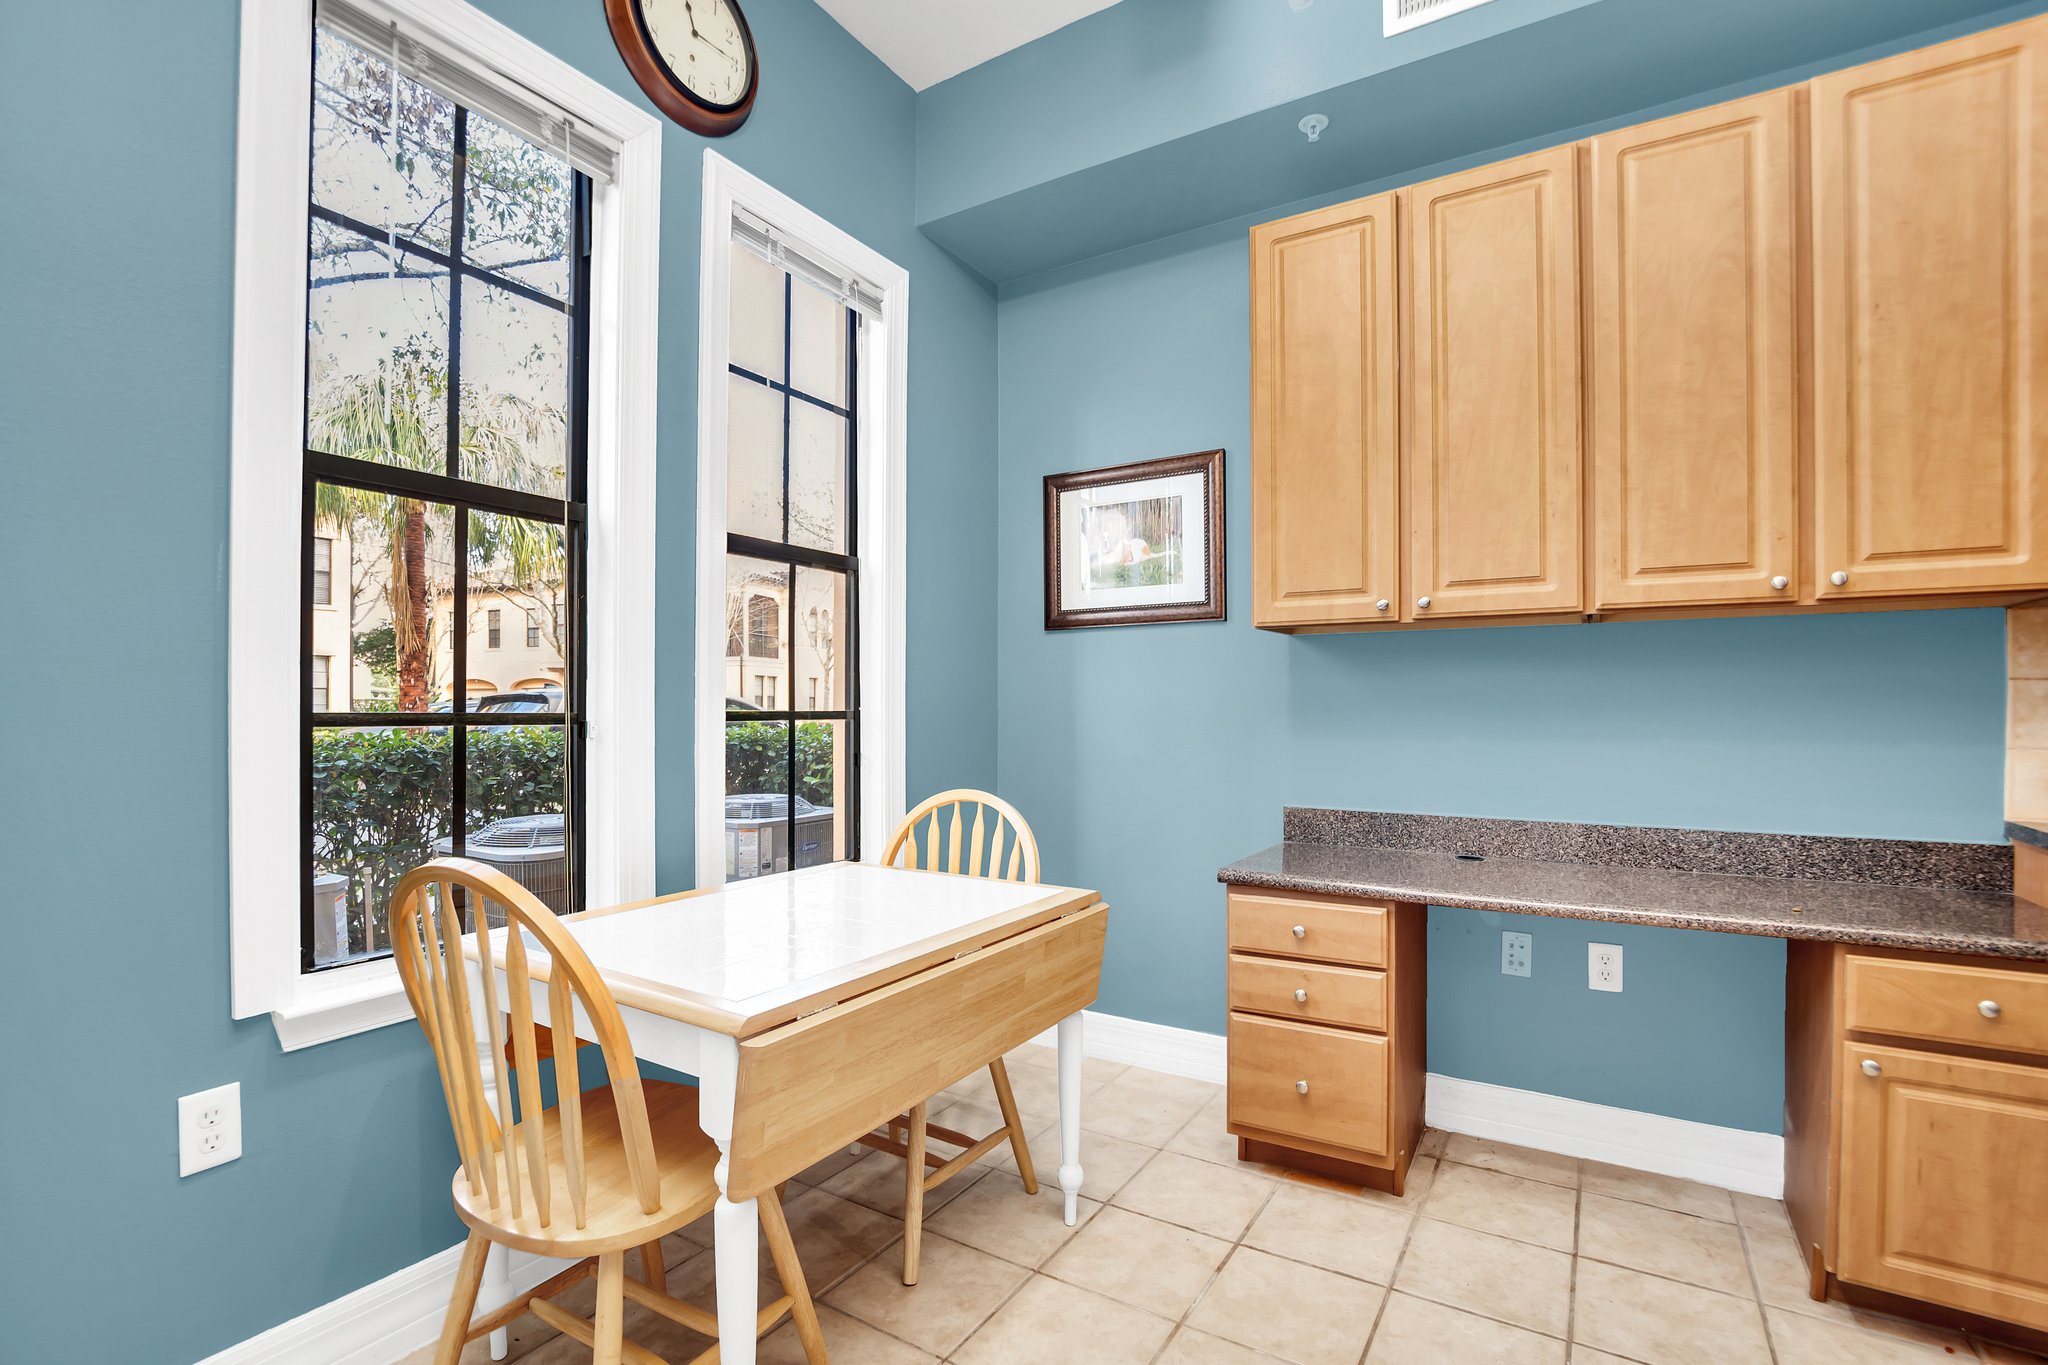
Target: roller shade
805,264
465,79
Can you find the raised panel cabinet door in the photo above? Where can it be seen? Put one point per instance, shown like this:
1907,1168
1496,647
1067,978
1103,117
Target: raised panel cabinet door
1492,472
1930,262
1325,455
1944,1179
1694,358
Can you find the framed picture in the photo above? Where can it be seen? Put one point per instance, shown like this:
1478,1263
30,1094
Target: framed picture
1135,543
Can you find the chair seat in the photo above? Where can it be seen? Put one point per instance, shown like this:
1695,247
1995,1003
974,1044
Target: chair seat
613,1218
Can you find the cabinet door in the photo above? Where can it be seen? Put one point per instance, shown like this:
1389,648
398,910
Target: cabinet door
1944,1179
1492,470
1694,425
1325,524
1930,266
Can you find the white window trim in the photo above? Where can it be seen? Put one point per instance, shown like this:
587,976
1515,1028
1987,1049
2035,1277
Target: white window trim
883,409
264,867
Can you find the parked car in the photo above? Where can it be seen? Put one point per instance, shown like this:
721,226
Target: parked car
533,699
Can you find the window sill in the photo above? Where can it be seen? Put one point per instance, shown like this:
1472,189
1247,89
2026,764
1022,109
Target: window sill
340,1004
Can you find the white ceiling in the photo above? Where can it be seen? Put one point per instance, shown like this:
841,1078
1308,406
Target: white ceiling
925,41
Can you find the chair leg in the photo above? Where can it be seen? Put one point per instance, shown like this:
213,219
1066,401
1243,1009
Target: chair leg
609,1325
653,1267
1018,1146
462,1303
913,1196
790,1270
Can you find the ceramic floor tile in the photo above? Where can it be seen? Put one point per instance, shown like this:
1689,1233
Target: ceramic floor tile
1207,1135
1663,1322
1991,1352
877,1180
996,1216
1753,1211
1432,1143
1294,1311
958,1289
1141,1261
1050,1319
1864,1339
1095,1071
1190,1347
1106,1162
1145,1106
1417,1332
1586,1355
820,1171
1664,1191
1422,1174
833,1235
1781,1275
1522,1161
1527,1286
1677,1246
1508,1205
849,1341
1334,1231
1196,1194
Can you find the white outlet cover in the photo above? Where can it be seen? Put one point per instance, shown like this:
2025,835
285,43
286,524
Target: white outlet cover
1517,953
209,1128
1603,957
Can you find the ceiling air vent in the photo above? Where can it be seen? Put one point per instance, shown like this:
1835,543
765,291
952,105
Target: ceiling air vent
1402,15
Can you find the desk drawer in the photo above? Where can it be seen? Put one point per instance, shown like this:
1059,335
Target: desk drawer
1355,997
1948,1002
1346,1075
1320,927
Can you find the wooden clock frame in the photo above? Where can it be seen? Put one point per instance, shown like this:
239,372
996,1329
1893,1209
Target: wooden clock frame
660,83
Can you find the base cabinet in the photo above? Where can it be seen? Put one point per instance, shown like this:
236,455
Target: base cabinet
1916,1165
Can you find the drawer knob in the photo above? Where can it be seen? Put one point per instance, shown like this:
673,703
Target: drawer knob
1779,582
1301,998
1839,579
1871,1068
1301,931
1301,1087
1989,1009
1423,603
1381,605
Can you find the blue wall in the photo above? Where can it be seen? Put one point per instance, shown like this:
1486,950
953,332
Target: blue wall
117,231
1146,757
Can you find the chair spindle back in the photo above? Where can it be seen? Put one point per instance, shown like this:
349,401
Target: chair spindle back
450,1003
947,841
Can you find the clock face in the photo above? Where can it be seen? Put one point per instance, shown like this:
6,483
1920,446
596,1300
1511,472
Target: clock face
705,46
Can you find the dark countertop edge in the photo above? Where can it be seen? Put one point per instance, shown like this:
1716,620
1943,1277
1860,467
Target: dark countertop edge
2027,832
2019,950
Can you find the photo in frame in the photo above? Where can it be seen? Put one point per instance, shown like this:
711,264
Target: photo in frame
1135,543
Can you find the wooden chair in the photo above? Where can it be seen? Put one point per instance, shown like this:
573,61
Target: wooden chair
603,1170
948,845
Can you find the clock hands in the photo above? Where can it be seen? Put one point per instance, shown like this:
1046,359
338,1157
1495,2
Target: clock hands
705,38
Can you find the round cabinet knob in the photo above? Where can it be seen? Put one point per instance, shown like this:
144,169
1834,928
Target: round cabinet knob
1301,1087
1382,604
1779,582
1301,997
1871,1068
1422,603
1989,1009
1300,931
1839,579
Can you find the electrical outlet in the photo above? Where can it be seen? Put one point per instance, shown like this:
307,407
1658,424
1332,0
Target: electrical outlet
1516,950
1603,966
209,1128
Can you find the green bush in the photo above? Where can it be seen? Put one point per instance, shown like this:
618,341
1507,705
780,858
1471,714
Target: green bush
382,797
757,751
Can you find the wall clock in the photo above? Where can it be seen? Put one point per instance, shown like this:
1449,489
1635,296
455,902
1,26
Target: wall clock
694,58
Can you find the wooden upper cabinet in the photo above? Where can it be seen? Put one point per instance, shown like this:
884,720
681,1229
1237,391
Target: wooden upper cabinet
1694,435
1943,1182
1492,393
1325,520
1930,262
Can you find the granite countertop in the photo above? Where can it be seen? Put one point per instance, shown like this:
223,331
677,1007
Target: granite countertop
1886,893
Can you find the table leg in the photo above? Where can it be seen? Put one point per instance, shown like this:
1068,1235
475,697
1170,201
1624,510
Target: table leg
1070,1114
735,1227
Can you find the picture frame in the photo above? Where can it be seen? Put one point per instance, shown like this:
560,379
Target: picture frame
1135,544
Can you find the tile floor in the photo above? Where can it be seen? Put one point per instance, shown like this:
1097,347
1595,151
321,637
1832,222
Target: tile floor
1185,1257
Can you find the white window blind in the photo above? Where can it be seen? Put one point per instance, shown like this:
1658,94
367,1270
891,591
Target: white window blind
807,265
463,78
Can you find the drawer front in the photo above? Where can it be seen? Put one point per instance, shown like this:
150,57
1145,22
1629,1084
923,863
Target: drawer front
1355,997
1346,1075
1301,926
1948,1002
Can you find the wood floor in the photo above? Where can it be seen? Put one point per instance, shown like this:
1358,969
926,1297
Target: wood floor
1185,1257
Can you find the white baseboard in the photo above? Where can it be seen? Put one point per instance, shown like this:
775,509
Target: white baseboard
380,1322
1732,1158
